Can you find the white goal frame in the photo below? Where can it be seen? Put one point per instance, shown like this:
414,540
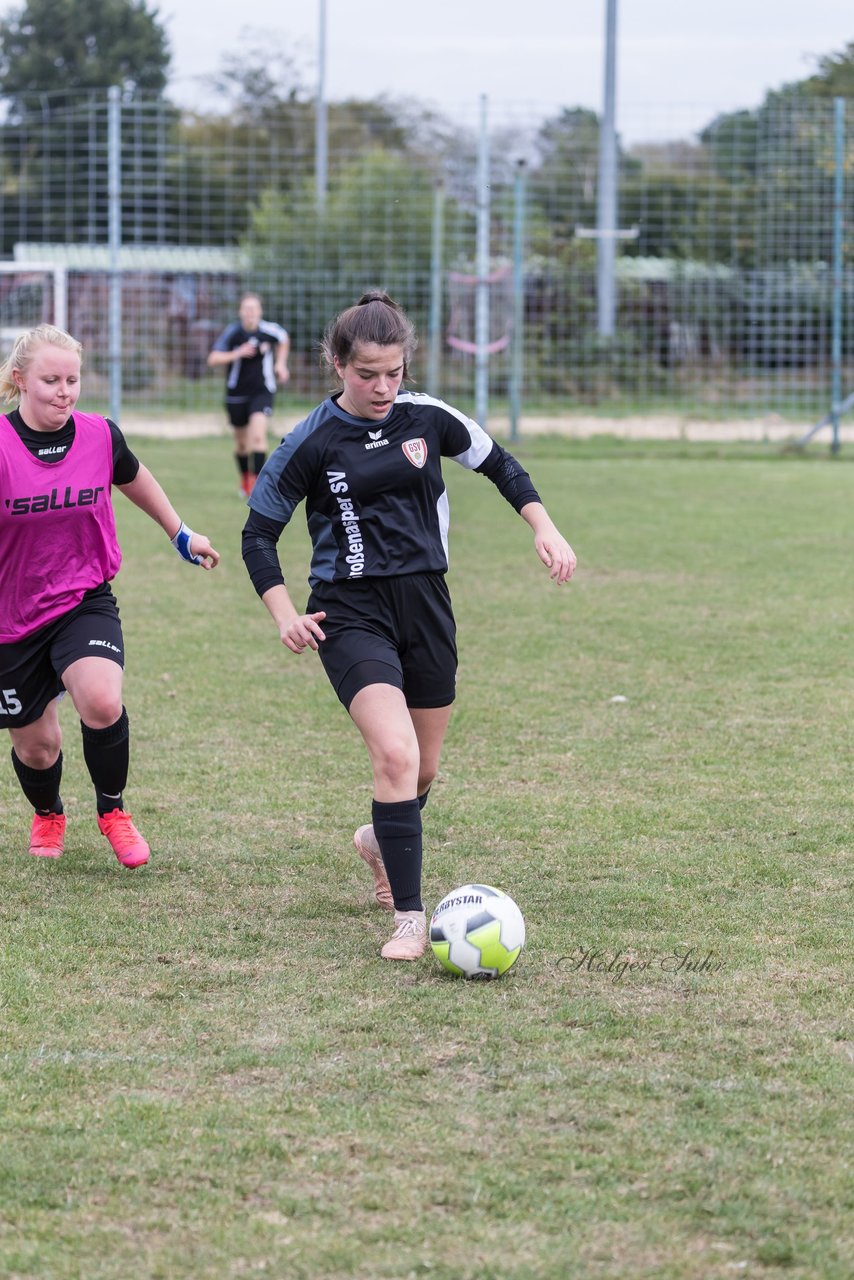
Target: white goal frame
59,276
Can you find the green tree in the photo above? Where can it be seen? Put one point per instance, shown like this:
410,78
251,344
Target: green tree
82,44
376,231
257,78
835,78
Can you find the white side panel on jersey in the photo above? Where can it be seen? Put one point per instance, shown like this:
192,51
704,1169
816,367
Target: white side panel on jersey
443,515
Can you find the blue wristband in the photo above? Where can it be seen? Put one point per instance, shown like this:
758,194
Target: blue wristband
181,543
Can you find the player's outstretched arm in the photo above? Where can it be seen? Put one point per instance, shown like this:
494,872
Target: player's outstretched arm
282,371
245,351
551,546
146,493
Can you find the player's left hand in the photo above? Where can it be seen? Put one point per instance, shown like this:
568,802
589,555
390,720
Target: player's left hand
556,554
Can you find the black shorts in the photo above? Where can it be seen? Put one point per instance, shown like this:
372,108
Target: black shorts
241,408
398,631
31,669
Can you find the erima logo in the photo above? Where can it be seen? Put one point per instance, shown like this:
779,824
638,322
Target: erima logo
376,441
52,501
104,644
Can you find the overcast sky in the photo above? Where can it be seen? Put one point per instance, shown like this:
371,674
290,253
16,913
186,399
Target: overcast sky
677,63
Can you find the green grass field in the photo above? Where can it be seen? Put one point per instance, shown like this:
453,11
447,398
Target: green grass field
207,1071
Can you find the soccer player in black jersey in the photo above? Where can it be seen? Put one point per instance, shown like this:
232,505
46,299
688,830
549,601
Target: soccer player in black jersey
367,462
255,353
59,622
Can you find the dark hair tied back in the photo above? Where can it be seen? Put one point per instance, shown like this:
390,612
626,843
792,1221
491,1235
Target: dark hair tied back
375,318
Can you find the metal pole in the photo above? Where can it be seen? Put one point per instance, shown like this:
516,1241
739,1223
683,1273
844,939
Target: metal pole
481,324
517,332
838,211
60,301
114,199
606,214
320,124
435,321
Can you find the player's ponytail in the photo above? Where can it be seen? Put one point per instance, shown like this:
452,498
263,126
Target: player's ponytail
26,345
376,318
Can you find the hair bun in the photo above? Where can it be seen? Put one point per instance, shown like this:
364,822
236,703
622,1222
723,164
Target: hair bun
376,295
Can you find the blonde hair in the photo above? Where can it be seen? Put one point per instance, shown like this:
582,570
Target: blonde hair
21,357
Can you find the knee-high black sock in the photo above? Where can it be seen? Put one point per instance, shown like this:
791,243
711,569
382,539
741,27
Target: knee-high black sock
258,460
422,799
242,460
40,786
397,828
107,756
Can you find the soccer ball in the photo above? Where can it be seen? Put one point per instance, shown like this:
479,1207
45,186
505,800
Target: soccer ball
477,931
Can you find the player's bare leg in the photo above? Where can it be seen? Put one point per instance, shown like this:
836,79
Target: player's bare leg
256,446
380,713
242,456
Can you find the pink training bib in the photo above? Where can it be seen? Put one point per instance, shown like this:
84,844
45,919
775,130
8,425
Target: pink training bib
57,527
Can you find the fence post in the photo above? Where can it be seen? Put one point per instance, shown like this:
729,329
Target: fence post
838,212
320,125
606,219
518,328
435,320
114,196
481,324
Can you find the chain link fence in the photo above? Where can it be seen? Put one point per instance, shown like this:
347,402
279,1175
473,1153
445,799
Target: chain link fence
734,290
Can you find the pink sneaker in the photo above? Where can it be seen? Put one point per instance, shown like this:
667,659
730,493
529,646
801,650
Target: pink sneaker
128,845
369,851
47,837
409,940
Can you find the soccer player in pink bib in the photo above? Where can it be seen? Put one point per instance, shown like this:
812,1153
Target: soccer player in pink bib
59,621
368,463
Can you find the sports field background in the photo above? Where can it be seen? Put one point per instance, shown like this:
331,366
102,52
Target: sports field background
207,1072
734,289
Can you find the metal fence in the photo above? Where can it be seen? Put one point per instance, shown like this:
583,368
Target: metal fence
140,226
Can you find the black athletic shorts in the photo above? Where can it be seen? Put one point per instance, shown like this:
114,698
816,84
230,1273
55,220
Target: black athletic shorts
397,631
31,669
241,408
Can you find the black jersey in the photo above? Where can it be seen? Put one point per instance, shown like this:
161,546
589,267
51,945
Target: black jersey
247,376
376,503
52,446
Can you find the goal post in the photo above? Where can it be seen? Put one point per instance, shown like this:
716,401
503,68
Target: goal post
31,293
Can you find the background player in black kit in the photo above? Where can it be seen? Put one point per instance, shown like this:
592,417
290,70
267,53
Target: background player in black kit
368,464
255,352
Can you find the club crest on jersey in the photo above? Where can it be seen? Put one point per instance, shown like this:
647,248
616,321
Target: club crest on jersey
415,451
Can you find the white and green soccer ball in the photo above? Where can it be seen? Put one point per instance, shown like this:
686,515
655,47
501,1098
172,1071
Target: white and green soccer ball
477,931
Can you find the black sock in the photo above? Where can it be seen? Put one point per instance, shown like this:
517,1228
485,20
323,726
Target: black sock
258,460
242,460
422,799
40,786
107,756
397,828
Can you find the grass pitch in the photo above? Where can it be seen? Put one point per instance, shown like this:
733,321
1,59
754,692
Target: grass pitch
206,1071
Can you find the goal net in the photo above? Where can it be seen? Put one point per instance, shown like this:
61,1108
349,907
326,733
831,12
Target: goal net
31,293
